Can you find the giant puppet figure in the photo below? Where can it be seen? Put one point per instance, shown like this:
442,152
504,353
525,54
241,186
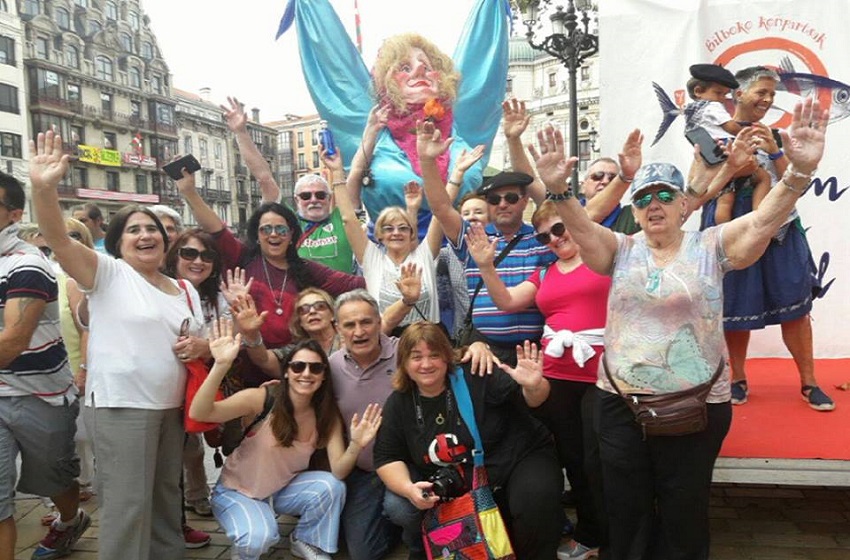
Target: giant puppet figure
462,94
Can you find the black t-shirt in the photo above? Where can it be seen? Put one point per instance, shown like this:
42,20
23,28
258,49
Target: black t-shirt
508,430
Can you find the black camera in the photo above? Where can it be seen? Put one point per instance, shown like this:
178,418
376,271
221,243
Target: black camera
448,483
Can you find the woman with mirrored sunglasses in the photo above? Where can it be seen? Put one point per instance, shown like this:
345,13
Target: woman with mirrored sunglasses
268,474
573,301
270,257
665,332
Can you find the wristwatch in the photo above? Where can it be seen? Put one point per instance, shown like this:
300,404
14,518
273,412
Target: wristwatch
557,197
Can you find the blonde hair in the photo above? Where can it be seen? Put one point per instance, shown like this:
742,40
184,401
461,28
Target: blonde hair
393,51
544,212
393,213
295,327
72,224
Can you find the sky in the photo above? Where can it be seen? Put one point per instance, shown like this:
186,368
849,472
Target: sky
234,52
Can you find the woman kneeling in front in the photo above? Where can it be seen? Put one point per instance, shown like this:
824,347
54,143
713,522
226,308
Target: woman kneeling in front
267,474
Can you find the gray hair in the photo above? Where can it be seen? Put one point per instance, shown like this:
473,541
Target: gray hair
309,180
356,296
748,76
163,211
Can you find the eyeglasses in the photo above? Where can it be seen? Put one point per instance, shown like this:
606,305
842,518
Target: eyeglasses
664,197
316,368
496,199
190,254
307,195
401,229
599,175
46,251
75,235
279,229
306,308
557,230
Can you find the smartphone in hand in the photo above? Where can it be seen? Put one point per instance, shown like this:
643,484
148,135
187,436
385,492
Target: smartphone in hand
175,168
710,151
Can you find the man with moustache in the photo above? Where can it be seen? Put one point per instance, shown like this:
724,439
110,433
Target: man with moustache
323,239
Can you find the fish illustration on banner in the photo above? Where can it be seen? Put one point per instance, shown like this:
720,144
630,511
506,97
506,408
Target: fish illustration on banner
344,90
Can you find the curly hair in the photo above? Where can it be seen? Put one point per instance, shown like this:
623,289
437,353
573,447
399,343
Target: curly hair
396,49
297,266
209,288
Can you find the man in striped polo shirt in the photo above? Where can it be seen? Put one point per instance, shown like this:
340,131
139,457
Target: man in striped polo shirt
38,400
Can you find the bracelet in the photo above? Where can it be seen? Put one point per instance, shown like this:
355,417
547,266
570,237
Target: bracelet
625,179
791,173
407,303
338,184
254,343
558,197
776,156
453,182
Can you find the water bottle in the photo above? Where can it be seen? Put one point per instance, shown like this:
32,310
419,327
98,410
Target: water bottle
326,138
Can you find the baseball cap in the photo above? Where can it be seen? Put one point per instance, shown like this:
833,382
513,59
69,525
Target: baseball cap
653,174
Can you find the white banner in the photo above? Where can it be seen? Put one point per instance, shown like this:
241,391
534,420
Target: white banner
645,41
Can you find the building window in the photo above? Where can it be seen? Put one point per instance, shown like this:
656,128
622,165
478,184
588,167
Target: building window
110,141
103,68
585,73
111,11
82,3
164,114
126,42
202,148
112,181
315,160
219,183
63,19
217,151
552,80
314,137
147,50
135,78
106,104
80,177
133,18
10,145
141,184
74,93
72,56
584,149
156,85
9,99
3,6
78,134
95,27
188,148
302,163
7,51
42,48
135,109
30,7
300,139
47,83
509,85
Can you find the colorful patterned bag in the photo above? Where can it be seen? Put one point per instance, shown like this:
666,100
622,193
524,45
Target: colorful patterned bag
469,527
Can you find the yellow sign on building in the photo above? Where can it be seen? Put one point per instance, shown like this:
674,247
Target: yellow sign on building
100,156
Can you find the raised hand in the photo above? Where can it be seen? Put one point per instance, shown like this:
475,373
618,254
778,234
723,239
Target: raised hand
233,284
553,167
805,139
740,153
48,162
223,345
468,159
409,282
413,196
631,157
245,313
377,119
333,163
429,142
235,116
529,368
363,430
515,119
480,247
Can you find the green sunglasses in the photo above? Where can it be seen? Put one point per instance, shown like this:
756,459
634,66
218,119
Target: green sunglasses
663,196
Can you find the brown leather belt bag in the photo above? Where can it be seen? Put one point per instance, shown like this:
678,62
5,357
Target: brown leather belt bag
670,414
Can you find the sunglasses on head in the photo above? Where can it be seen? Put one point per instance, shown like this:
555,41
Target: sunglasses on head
557,230
664,197
401,229
190,254
599,175
494,199
279,229
315,367
306,308
307,195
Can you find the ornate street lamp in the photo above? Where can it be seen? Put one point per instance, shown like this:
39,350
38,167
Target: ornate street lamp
570,43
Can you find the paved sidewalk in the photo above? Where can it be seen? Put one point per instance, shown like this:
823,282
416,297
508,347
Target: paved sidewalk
747,523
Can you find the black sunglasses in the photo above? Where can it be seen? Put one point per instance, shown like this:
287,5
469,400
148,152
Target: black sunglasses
46,251
557,230
599,175
75,235
306,308
315,367
494,199
307,195
190,254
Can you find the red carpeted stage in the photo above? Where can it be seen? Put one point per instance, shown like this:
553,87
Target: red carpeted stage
776,438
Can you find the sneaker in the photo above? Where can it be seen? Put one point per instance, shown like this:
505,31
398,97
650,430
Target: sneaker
307,551
59,542
816,398
202,507
739,392
574,550
193,538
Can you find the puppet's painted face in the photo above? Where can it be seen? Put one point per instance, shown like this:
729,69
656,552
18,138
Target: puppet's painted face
416,78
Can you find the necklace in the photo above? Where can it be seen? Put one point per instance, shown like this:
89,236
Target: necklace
278,301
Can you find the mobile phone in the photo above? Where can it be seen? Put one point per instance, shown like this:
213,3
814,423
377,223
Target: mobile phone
708,148
175,168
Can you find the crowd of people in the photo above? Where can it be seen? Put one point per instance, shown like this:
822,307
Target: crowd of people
330,345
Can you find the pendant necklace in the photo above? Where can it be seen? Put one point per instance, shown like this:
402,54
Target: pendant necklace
278,301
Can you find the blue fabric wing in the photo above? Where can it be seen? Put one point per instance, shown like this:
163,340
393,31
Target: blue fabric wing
481,56
336,76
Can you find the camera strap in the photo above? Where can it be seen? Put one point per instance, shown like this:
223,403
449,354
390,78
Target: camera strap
464,405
